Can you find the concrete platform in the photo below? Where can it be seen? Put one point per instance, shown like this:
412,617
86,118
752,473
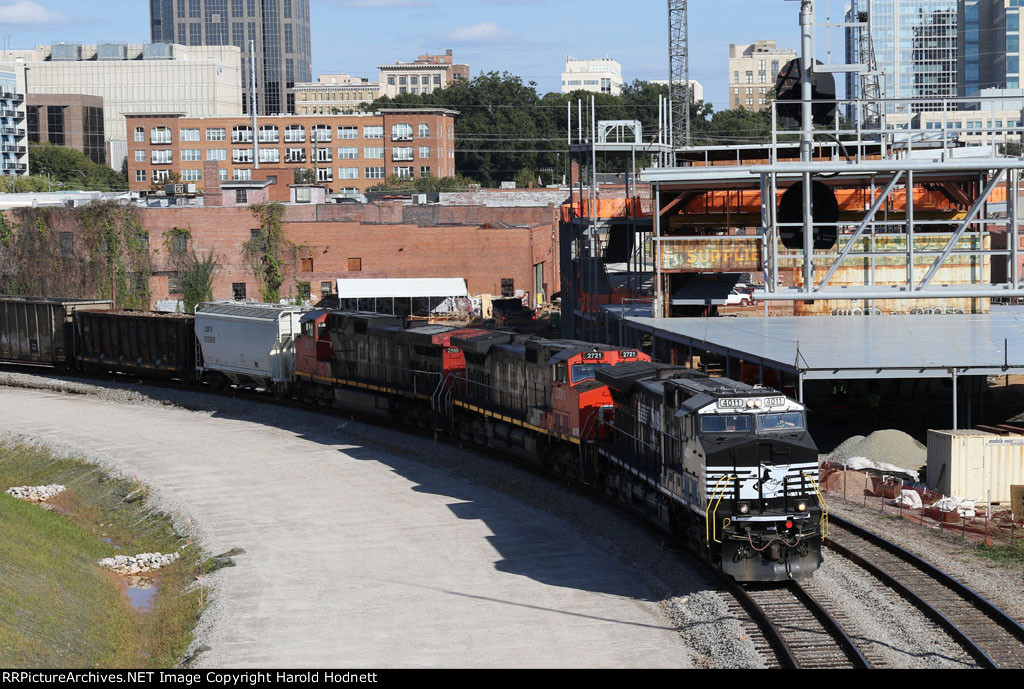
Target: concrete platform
357,557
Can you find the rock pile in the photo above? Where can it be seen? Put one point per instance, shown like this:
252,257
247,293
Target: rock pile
888,446
138,564
35,493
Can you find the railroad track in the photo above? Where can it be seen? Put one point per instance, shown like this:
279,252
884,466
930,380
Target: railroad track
987,634
799,629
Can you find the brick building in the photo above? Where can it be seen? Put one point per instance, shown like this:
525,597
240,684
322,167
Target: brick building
386,240
345,152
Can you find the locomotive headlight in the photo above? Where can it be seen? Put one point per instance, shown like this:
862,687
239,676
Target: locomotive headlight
743,508
801,506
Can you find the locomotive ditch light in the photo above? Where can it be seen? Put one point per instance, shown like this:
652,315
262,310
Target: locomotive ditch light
743,508
801,507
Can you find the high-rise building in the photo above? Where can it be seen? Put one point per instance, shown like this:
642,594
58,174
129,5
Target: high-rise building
68,119
915,49
988,41
278,29
13,139
753,70
599,76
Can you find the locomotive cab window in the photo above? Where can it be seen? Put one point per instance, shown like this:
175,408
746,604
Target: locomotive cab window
725,423
560,373
787,421
582,372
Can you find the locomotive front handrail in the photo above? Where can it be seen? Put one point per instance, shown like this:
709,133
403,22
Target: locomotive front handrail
823,505
711,524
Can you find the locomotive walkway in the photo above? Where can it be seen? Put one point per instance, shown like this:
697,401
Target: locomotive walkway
357,556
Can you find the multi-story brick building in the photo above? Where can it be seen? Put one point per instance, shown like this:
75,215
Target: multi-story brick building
345,152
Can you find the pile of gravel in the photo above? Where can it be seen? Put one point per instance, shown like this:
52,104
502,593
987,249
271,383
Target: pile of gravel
888,446
138,564
35,493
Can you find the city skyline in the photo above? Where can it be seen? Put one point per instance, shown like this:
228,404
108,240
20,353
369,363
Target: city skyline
493,35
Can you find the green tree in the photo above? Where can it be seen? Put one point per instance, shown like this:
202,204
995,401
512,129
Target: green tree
73,169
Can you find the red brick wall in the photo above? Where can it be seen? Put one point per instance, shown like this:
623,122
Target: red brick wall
482,256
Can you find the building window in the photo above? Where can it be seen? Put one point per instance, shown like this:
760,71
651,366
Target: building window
303,195
402,153
241,135
270,155
373,132
403,172
348,132
348,173
307,265
191,175
425,171
140,156
295,134
241,196
269,134
303,290
324,174
401,132
323,155
216,134
241,155
191,154
241,174
295,155
348,153
355,265
190,135
140,175
424,151
424,130
161,175
374,172
326,289
508,287
160,135
238,291
161,156
321,133
140,134
376,152
216,154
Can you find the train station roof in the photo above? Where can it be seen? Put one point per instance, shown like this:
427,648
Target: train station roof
824,347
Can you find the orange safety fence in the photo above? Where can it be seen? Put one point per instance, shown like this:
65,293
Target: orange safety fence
606,208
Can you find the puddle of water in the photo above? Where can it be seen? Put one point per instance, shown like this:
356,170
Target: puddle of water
141,591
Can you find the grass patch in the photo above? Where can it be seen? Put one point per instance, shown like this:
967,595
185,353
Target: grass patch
58,608
1003,554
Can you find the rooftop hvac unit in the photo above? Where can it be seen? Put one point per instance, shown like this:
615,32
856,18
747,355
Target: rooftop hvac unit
419,199
508,185
157,51
66,52
191,188
112,51
174,188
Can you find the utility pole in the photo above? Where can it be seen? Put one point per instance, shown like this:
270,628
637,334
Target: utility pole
252,106
807,135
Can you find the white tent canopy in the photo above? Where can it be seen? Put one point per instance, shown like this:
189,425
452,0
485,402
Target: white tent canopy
401,288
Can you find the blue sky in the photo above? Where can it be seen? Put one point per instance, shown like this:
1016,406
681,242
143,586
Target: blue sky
529,38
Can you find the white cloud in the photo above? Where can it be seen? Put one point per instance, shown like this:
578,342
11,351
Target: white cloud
479,33
28,12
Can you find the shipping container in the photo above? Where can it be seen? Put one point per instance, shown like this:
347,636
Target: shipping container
974,464
38,330
249,344
155,345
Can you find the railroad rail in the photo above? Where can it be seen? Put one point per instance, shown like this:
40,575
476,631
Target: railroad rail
800,629
989,635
